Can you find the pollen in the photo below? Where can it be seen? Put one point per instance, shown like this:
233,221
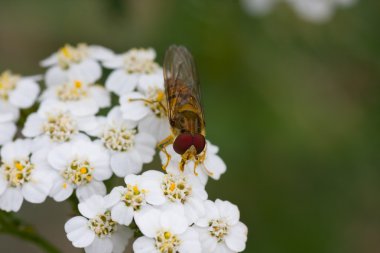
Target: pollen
166,242
8,83
157,103
103,225
176,188
134,197
69,55
60,127
218,229
78,173
72,91
120,139
18,173
137,61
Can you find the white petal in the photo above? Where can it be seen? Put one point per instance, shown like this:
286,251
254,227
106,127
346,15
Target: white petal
88,71
190,242
83,107
103,245
122,214
38,189
11,200
51,60
194,209
115,62
174,222
212,213
133,110
222,248
215,164
8,112
60,156
148,221
144,245
92,206
154,194
3,183
124,164
114,196
153,81
93,188
7,132
61,190
121,238
56,76
208,242
78,232
145,145
228,211
100,53
101,96
121,82
33,126
25,93
237,237
158,127
19,149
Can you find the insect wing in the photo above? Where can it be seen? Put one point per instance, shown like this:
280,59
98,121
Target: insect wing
181,80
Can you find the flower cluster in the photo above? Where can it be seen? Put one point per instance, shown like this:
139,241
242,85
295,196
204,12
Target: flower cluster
77,139
312,10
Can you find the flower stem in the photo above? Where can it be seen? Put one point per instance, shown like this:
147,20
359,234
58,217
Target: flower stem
10,224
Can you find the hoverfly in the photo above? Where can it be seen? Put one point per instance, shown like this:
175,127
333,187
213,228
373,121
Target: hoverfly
184,108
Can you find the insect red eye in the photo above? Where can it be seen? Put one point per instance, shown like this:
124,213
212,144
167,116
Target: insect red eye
199,142
182,143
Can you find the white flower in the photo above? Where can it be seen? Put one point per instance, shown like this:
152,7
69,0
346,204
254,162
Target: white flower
182,189
17,91
54,123
82,165
212,165
7,132
80,97
79,62
8,115
220,230
317,11
148,108
128,149
130,70
22,176
97,232
138,193
165,231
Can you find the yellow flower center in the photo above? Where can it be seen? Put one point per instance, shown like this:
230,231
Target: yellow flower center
18,173
119,139
72,91
166,242
134,197
8,82
68,55
59,127
176,188
137,61
218,229
103,225
78,173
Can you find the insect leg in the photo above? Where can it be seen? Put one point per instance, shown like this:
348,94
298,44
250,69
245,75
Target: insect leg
162,146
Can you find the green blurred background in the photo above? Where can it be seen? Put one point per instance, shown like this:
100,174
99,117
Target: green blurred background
294,107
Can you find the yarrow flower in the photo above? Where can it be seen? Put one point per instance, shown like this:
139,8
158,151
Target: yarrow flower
212,165
129,148
54,123
96,231
23,175
182,189
77,140
80,97
220,229
131,68
81,62
165,231
140,192
312,10
82,166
